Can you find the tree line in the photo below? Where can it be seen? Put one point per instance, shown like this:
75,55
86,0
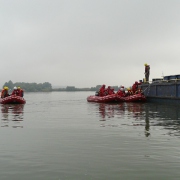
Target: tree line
47,87
30,87
73,88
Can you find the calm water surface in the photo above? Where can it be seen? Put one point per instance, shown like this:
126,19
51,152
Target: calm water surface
60,135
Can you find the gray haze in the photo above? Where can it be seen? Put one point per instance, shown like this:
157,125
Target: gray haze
88,42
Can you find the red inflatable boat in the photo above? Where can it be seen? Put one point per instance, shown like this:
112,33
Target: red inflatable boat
102,99
132,98
12,100
116,98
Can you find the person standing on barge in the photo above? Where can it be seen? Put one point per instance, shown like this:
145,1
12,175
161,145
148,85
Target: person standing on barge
147,72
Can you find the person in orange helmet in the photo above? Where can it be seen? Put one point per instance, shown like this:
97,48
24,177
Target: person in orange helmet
147,72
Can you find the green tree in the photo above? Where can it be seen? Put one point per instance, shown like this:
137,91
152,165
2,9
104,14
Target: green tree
9,84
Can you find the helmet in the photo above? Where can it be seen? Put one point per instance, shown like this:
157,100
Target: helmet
145,64
6,88
15,87
19,88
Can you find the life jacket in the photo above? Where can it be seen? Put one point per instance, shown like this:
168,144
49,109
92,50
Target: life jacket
21,92
121,93
4,93
110,91
134,88
139,91
15,92
147,69
102,91
129,93
18,91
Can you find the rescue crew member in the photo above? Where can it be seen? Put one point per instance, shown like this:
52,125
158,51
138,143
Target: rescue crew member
15,91
102,90
20,92
129,92
121,92
109,90
135,87
139,91
4,92
147,72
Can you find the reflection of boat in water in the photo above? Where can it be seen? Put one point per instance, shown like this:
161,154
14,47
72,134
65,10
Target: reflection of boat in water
12,100
108,110
12,112
151,116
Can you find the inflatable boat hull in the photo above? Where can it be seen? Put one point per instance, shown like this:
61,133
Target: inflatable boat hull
12,100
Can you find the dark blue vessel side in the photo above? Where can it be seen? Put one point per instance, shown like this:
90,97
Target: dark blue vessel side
166,90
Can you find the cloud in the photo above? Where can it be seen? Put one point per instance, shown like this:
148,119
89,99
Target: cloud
85,43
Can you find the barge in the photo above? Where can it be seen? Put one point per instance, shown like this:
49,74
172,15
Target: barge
165,90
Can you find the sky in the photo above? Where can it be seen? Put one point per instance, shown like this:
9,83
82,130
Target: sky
84,43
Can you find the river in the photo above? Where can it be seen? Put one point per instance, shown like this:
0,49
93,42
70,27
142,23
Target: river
61,136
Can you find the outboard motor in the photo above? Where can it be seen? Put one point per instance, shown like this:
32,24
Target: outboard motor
97,93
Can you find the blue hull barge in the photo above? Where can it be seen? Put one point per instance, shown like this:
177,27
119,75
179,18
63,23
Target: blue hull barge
166,90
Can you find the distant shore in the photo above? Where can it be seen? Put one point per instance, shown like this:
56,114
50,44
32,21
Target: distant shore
47,87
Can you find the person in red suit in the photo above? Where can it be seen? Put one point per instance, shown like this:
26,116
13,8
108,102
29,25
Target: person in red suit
110,90
121,92
20,92
102,90
135,87
15,91
4,92
139,91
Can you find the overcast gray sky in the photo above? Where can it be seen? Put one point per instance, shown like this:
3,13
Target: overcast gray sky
88,42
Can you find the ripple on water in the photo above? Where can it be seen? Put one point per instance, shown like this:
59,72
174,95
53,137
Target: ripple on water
65,137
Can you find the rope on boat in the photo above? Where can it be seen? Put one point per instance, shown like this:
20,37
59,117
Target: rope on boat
148,88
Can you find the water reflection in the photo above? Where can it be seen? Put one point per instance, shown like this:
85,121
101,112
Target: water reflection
12,113
123,109
106,111
143,114
166,116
